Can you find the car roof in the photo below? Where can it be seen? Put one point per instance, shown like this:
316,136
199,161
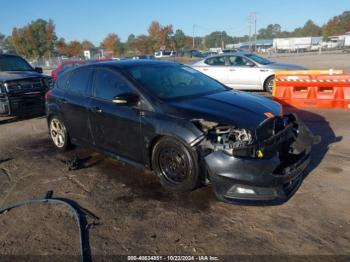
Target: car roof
133,62
240,53
73,62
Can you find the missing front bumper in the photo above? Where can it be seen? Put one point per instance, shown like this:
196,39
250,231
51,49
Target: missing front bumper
271,180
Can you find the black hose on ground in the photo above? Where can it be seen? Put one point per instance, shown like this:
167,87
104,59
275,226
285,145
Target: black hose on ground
79,213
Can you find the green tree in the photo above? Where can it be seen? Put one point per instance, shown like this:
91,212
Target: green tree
159,36
74,49
309,29
217,39
61,47
112,45
271,31
129,46
143,45
179,39
35,40
337,25
87,45
2,39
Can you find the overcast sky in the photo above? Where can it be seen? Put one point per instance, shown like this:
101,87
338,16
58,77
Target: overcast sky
93,20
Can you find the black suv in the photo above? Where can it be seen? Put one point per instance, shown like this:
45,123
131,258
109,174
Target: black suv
22,88
187,127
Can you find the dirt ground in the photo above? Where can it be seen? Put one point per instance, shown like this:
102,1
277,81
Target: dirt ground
138,217
315,61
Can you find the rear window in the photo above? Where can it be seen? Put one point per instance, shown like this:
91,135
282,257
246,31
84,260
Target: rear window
216,61
62,81
79,80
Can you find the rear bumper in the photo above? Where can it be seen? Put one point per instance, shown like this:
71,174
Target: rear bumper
273,179
22,105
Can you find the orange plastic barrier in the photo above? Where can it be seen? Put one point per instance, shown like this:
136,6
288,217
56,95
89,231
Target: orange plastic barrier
312,90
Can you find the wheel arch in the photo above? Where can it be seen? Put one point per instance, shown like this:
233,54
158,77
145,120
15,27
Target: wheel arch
266,79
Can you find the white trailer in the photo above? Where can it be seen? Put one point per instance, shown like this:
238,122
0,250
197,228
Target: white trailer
292,44
347,41
281,44
346,46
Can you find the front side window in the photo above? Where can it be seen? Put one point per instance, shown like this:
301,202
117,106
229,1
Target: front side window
108,84
259,59
216,61
79,81
174,81
238,61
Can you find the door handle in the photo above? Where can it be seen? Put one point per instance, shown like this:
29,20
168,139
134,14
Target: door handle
232,69
96,109
205,69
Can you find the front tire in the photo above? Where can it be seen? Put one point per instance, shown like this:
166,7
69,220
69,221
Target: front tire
59,134
268,85
176,165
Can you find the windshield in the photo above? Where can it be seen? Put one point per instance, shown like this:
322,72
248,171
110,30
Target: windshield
174,81
260,60
13,63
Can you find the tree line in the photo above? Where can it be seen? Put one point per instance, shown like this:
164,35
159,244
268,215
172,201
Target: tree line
38,39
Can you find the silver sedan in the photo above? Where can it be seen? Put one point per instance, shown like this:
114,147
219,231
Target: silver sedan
243,70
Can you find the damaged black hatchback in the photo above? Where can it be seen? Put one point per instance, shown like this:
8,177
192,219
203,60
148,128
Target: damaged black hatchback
188,128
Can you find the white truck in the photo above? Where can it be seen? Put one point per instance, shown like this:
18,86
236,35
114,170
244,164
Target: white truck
292,44
347,44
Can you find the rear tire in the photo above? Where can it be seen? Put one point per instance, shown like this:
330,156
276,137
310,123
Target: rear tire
268,85
176,165
59,134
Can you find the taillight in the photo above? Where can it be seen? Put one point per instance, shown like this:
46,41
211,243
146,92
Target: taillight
54,75
48,94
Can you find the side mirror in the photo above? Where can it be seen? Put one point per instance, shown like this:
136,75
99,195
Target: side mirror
39,70
126,99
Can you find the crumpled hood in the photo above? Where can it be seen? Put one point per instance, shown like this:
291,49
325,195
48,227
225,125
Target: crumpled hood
235,108
16,75
281,66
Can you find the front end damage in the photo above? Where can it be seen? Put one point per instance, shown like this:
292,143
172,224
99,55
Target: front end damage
264,165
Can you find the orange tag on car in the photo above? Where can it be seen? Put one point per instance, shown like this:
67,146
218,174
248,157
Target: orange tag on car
269,114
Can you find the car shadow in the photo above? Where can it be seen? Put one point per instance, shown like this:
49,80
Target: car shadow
11,119
319,125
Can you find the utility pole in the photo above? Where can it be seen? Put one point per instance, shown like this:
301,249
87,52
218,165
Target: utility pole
193,36
252,19
250,31
222,41
255,35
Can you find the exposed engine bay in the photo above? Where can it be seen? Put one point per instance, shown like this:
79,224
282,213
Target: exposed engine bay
273,135
223,137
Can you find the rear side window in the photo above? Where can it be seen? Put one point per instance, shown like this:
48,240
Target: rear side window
108,84
62,81
79,80
216,61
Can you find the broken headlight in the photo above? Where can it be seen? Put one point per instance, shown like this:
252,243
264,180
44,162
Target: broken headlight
224,137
